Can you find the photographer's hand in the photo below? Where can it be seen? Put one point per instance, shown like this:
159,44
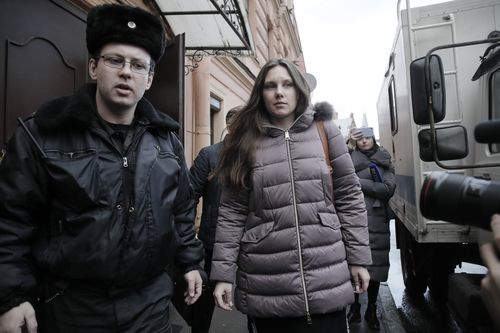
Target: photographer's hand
355,134
490,285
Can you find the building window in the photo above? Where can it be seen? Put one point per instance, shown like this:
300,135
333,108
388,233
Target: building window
393,106
495,105
215,107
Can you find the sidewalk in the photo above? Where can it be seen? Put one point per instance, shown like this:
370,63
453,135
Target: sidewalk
388,314
236,322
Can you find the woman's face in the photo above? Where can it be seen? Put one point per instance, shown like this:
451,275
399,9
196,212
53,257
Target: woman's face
365,143
280,97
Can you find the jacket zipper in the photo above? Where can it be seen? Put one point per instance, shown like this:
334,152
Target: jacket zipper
295,213
128,191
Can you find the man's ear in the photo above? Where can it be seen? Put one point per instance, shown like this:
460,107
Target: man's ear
92,68
150,80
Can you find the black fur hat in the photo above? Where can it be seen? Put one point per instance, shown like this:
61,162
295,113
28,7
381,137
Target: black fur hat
125,24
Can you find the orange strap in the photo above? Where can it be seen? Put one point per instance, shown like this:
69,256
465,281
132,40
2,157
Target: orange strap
324,141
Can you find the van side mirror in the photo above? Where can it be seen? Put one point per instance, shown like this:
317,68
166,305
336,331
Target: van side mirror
427,86
451,143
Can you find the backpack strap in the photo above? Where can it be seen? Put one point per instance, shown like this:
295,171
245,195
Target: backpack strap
324,141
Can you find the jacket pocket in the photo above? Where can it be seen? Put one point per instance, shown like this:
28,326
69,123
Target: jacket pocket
331,223
257,233
75,178
329,220
257,196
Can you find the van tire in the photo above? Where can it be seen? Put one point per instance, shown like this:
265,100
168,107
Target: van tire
412,264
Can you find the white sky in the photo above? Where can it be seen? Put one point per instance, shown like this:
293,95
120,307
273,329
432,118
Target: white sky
346,45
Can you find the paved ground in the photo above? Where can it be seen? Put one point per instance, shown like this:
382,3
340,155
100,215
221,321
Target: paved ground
235,322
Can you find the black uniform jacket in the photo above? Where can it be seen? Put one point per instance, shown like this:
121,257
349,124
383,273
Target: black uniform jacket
75,207
206,161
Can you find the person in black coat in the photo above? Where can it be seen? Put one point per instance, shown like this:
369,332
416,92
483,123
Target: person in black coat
376,175
209,189
96,208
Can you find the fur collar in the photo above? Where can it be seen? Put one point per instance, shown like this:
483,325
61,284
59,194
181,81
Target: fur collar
79,111
323,111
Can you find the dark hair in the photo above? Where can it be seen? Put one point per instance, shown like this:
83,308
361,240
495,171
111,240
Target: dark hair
232,112
246,127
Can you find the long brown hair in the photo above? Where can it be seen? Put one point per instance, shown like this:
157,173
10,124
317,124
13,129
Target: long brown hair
246,127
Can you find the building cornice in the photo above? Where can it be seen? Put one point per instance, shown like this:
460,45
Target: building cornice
290,24
238,70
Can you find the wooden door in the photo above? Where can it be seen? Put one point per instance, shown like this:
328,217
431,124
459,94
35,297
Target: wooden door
167,91
43,55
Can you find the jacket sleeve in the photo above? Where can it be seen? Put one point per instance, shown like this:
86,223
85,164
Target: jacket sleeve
189,250
233,211
381,190
22,202
198,174
349,200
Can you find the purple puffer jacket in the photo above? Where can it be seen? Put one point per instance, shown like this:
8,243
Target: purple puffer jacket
282,240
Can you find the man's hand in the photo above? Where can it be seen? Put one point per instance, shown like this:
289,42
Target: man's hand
16,318
360,278
223,295
490,285
194,286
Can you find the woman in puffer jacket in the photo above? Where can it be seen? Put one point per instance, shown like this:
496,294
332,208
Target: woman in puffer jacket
295,251
376,174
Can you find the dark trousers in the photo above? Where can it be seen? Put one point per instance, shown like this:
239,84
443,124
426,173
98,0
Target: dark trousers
334,322
373,289
203,309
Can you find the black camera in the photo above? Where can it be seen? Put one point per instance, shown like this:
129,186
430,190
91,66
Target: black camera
459,199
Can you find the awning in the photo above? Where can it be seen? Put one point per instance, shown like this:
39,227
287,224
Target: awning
215,26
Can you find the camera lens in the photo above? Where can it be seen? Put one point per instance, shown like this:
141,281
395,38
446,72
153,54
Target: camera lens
459,199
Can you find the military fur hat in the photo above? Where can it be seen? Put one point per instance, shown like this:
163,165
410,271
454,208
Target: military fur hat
125,24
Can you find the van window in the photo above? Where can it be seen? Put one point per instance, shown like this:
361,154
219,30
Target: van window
393,106
495,105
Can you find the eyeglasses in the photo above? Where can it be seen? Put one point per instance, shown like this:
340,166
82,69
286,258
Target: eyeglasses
136,66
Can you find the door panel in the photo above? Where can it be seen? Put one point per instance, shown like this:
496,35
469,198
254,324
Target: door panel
167,91
43,55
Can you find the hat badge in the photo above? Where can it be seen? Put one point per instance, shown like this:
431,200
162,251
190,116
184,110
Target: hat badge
131,24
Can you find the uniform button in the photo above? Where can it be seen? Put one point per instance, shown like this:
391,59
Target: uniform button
131,209
119,207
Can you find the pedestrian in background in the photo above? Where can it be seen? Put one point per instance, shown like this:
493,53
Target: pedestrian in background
95,200
293,249
208,188
376,174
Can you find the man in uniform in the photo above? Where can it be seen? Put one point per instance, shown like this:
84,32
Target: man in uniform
95,201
